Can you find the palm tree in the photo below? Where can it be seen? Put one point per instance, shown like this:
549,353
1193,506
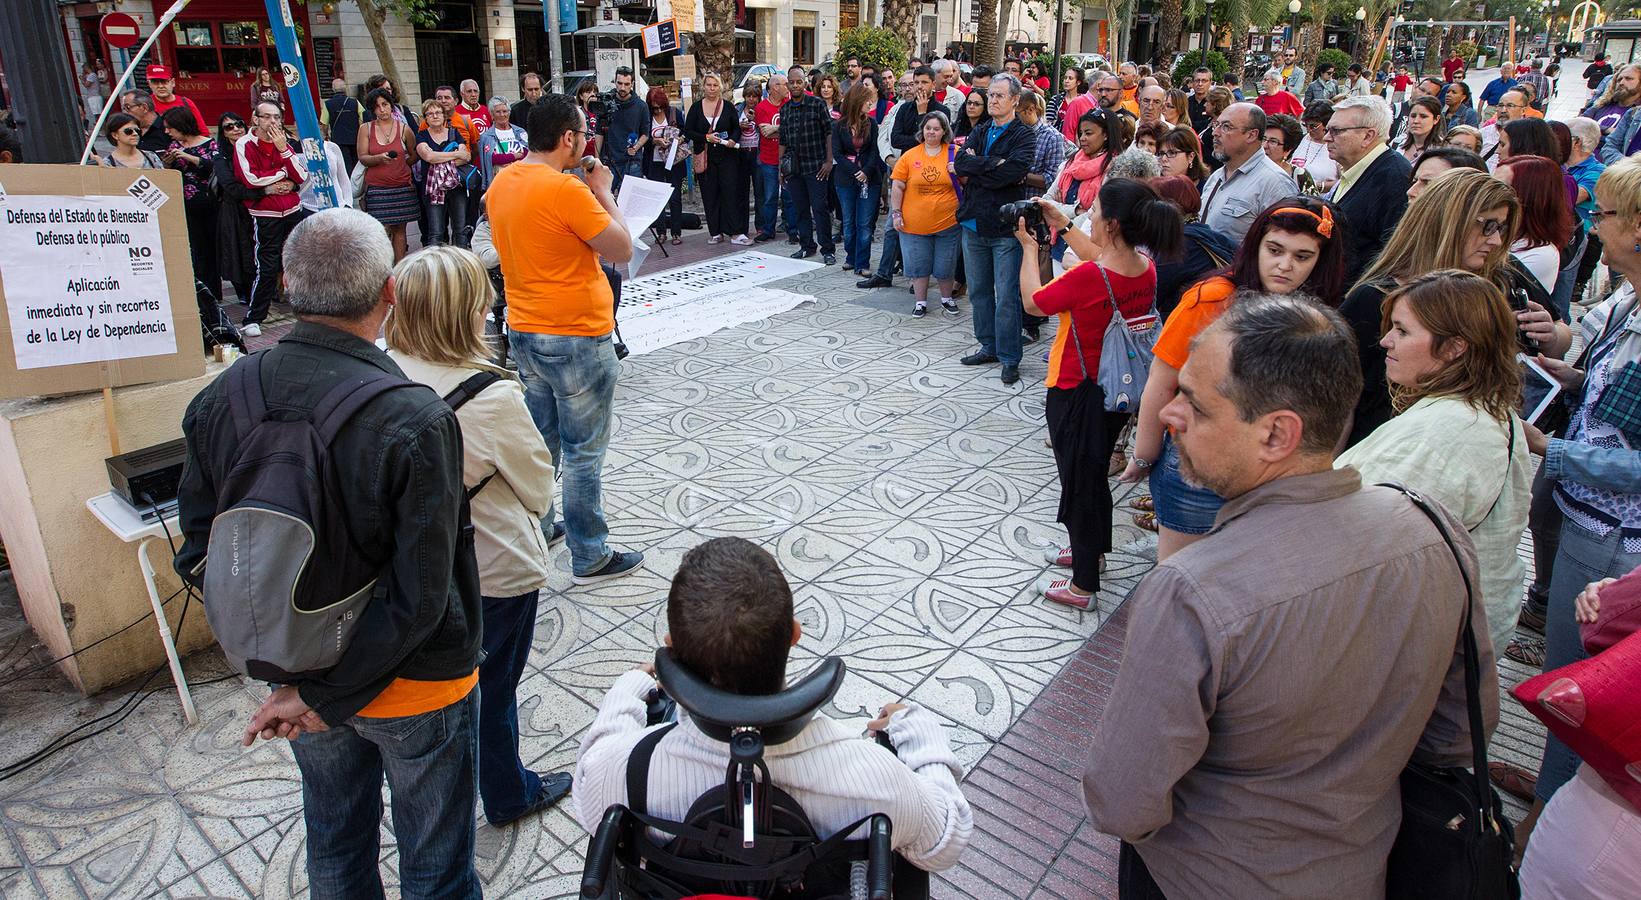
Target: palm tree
1173,17
715,49
988,50
900,17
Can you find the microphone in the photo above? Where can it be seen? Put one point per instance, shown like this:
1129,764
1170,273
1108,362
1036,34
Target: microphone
589,163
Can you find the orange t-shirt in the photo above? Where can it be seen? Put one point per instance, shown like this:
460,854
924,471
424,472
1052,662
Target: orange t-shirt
1198,307
468,128
541,220
405,697
930,202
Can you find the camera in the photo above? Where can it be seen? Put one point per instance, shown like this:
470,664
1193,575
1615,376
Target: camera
1518,304
603,104
1010,213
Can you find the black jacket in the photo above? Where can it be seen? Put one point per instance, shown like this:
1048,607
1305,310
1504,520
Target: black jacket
402,455
344,118
697,125
1371,209
994,176
867,159
629,119
903,131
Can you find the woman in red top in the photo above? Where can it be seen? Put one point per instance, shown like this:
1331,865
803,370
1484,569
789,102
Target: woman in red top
1126,215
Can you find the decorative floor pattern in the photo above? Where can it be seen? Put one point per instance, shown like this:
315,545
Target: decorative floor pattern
908,498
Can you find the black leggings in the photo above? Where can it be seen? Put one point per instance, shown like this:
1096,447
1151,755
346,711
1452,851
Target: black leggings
718,193
1085,492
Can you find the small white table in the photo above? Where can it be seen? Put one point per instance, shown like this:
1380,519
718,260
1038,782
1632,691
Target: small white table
128,525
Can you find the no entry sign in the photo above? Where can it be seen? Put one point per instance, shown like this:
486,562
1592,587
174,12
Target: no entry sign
120,31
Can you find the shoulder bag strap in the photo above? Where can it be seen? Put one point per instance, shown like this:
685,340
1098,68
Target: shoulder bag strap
1472,661
1071,322
951,159
473,386
347,398
638,770
243,389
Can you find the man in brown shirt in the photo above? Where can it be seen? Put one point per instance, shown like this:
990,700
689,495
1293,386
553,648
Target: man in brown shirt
1279,674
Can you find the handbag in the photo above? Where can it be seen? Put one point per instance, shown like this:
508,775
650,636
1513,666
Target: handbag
698,163
357,176
1454,842
1125,358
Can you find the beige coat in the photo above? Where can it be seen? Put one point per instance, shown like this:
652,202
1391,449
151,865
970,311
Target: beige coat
499,438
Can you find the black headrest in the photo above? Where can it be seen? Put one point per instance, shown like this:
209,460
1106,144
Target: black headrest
778,717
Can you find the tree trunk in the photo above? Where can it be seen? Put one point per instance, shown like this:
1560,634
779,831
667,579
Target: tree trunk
988,50
900,17
1238,57
375,17
1173,17
1005,12
715,50
1367,38
1311,46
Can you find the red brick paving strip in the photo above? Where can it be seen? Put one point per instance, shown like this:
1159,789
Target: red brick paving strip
1032,838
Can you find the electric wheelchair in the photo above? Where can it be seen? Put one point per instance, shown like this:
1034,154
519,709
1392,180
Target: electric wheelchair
747,837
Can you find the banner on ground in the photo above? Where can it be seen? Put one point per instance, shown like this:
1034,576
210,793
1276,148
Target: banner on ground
96,280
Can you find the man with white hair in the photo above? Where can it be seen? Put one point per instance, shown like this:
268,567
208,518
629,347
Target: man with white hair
1585,167
472,107
1371,193
401,700
945,84
1153,105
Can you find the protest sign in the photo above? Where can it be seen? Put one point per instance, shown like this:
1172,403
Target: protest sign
95,278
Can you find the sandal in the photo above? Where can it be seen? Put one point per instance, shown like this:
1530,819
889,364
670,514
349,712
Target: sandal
1144,503
1146,520
1119,461
1512,779
677,239
1527,651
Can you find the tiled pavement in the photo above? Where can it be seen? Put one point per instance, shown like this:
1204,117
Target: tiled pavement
908,498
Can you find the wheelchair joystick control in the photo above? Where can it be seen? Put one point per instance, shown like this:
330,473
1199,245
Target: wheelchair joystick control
746,750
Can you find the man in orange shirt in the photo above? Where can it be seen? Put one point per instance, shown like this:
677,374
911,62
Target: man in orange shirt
550,228
446,95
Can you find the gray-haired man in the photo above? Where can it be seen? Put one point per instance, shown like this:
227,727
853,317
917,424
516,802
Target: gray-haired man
400,702
1289,618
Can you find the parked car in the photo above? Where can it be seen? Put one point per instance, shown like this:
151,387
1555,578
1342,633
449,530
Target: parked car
745,72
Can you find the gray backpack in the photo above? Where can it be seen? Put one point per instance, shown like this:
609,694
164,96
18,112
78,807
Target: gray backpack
285,582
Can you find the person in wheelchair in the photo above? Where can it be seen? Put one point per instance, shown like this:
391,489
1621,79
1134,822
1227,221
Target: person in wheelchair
731,625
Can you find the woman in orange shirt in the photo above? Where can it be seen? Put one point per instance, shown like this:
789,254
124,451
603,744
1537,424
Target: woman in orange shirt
1126,215
923,209
1292,247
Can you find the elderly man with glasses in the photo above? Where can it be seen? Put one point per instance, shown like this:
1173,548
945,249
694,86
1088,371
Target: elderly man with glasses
1371,194
1248,181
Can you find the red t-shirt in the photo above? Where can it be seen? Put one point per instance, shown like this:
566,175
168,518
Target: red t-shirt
1450,67
1072,110
769,145
1400,82
1042,82
963,88
177,100
1280,102
1081,293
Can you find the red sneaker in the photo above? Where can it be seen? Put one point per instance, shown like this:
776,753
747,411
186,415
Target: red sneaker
1061,558
1059,591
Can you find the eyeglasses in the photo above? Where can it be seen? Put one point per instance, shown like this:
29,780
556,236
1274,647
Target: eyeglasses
1224,127
1491,227
1170,154
1331,131
1603,214
1273,142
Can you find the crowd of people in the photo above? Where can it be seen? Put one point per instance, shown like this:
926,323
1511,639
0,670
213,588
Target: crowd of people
1267,309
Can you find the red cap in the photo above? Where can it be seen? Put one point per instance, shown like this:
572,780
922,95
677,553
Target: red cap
159,73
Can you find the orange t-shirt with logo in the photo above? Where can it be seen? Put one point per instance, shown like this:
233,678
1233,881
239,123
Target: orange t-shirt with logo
1198,307
541,220
929,204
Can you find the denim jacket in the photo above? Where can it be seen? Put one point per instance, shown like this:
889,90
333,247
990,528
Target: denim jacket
401,462
1612,468
1618,140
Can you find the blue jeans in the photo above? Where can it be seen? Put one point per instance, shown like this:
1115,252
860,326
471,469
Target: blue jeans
430,763
993,266
769,192
622,170
859,221
1562,295
505,785
1581,558
569,385
813,205
931,254
449,216
789,210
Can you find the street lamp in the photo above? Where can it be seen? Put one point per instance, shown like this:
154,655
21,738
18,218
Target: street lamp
1293,25
1361,23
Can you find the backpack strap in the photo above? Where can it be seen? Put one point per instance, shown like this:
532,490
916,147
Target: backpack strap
244,391
335,408
638,770
458,397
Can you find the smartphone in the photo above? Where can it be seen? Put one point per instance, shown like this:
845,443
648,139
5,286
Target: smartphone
1518,303
1539,390
393,154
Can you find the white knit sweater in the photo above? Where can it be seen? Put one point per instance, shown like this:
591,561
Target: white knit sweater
837,776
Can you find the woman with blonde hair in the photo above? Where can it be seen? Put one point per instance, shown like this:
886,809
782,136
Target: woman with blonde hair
436,335
713,127
1450,358
1463,220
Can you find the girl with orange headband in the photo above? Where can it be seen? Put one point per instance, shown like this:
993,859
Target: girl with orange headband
1292,248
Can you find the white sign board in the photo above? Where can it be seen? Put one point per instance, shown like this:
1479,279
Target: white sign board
606,61
85,279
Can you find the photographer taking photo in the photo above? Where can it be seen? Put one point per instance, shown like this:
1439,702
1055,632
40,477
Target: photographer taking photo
624,128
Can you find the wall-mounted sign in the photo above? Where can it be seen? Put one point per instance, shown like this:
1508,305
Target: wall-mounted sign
662,37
